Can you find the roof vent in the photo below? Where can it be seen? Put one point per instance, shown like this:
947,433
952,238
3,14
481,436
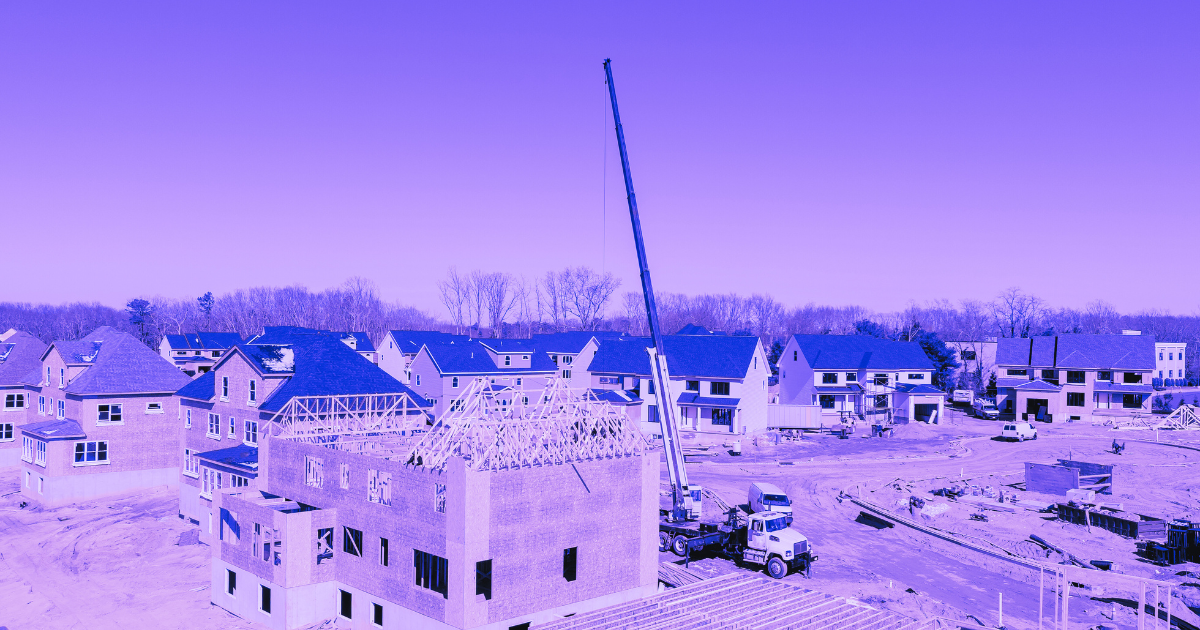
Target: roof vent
1131,332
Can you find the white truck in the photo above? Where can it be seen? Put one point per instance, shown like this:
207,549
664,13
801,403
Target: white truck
1019,432
963,397
762,539
986,409
767,497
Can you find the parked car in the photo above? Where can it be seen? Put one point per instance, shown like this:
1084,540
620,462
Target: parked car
986,409
1019,431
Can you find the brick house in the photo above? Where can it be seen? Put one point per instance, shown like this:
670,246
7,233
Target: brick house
1074,377
108,407
441,372
718,382
225,412
195,353
860,377
20,356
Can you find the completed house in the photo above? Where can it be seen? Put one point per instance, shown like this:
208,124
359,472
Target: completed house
718,383
1170,368
572,352
400,347
105,409
441,372
227,411
1074,377
20,355
860,377
195,353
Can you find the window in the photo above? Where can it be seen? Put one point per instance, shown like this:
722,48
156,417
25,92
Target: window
232,427
569,563
87,453
881,401
418,379
352,541
345,476
1074,399
42,405
430,572
314,471
345,604
154,407
41,484
109,413
214,426
567,374
794,354
1075,377
719,389
692,386
379,487
40,454
253,391
6,432
881,379
1133,377
826,401
251,432
1017,372
1050,375
439,498
1170,356
224,388
264,599
187,423
916,377
377,614
722,417
967,355
230,581
652,414
526,358
1104,375
519,379
383,551
454,382
483,578
61,409
1170,373
14,401
62,378
216,353
851,377
507,360
829,378
47,376
1160,356
1131,401
191,465
27,448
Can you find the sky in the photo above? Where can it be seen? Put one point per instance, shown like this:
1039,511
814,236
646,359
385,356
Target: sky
871,153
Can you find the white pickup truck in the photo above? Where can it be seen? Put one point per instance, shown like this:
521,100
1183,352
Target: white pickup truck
986,409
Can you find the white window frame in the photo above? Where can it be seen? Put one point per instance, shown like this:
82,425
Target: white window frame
18,402
47,376
251,435
9,429
60,409
97,462
151,410
26,449
454,382
62,378
225,388
41,405
39,455
418,380
191,465
252,397
111,410
213,419
232,427
187,423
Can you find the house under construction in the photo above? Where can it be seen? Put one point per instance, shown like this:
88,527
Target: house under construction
516,507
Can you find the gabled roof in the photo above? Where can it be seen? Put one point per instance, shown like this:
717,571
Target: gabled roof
362,341
410,341
715,356
472,357
509,346
861,352
117,363
1124,388
240,456
321,365
1038,385
694,329
922,388
696,400
572,342
1080,352
20,354
203,341
203,387
621,397
55,430
284,334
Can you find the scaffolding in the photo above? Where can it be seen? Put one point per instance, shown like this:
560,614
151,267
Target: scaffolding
501,428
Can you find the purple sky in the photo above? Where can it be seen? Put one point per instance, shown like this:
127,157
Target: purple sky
869,153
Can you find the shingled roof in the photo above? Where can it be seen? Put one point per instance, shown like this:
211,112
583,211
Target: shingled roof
861,352
472,357
20,354
703,356
572,342
410,341
1081,352
203,341
116,363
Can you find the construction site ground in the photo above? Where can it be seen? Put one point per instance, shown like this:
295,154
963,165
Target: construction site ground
916,574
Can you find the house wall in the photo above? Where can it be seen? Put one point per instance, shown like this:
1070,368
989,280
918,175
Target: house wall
391,359
1169,361
795,376
10,449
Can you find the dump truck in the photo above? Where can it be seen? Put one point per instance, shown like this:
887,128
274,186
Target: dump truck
762,539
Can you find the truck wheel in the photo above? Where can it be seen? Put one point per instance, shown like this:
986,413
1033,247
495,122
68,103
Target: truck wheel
679,546
777,568
1020,438
664,541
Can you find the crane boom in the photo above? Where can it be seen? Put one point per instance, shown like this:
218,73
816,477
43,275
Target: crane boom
682,499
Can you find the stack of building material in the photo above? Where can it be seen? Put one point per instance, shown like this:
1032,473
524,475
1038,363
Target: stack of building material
675,576
738,600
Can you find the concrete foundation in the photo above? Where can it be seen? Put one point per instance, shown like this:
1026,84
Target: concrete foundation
55,491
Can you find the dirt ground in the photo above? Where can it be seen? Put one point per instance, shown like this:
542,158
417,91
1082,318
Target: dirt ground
916,574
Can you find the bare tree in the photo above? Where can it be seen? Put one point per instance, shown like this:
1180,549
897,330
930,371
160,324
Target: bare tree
456,292
1016,313
552,299
587,294
498,297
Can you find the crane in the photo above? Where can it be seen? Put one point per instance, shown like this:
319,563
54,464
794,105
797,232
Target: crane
684,501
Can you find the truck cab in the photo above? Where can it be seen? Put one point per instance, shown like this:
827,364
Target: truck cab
767,497
770,542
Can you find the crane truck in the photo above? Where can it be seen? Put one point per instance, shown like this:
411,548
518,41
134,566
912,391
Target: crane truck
762,539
